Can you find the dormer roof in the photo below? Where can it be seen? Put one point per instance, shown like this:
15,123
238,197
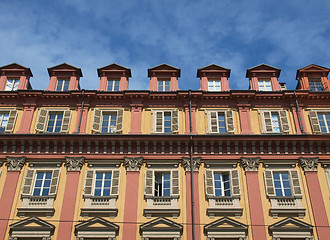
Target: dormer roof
213,68
313,68
113,68
14,67
64,67
164,68
263,68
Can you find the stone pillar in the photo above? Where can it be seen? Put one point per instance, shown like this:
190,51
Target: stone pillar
14,167
136,118
132,166
73,167
309,165
27,119
251,166
195,169
244,116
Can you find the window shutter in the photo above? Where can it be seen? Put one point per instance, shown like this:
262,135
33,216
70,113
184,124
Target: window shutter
284,121
28,182
175,121
42,120
314,122
120,117
230,127
149,183
115,183
96,127
66,121
175,178
54,183
213,122
158,124
296,189
235,188
11,121
89,183
267,122
269,183
209,190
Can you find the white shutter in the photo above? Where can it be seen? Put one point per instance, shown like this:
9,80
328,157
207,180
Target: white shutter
235,188
149,183
89,180
28,182
54,182
42,120
209,190
230,127
158,124
115,183
269,183
175,121
267,122
120,117
97,119
66,121
295,183
285,127
175,182
11,121
314,122
213,126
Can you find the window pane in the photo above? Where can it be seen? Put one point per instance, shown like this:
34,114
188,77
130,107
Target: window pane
106,192
97,192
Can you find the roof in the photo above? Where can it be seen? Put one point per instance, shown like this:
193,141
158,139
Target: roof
312,68
64,67
164,68
213,68
263,68
114,67
16,66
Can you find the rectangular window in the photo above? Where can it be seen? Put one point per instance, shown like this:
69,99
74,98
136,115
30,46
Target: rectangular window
214,85
282,184
102,184
159,183
12,85
113,85
55,122
264,85
315,84
274,121
164,85
109,122
3,121
42,184
324,121
221,184
220,121
63,85
165,121
162,184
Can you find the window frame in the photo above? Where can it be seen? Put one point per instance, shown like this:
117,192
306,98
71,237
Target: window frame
264,85
98,120
43,120
267,125
312,84
174,120
113,86
12,116
214,85
65,85
166,82
315,122
14,84
228,121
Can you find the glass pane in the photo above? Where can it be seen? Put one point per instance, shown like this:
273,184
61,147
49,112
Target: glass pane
40,175
97,192
276,176
217,176
98,183
287,192
218,192
279,192
45,192
107,184
108,175
167,193
106,192
99,175
38,183
217,184
36,192
47,183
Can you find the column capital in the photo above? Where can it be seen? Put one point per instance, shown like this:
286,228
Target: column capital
15,163
133,164
250,164
196,163
309,164
74,163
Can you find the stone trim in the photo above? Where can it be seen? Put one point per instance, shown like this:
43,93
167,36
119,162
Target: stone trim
133,164
74,163
309,164
15,163
186,163
250,164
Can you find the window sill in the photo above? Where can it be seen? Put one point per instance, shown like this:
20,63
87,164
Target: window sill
282,206
37,205
224,206
100,205
162,206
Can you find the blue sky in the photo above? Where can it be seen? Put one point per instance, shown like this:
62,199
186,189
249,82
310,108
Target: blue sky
186,34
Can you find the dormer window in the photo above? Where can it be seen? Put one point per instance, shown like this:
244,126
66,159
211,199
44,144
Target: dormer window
62,85
164,85
214,85
113,85
264,85
315,84
12,85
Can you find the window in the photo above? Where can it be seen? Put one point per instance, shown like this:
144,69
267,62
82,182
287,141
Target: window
220,121
102,184
108,121
54,121
12,85
214,85
7,120
165,121
63,85
164,85
162,184
221,184
274,121
113,85
264,85
320,121
315,84
282,184
42,184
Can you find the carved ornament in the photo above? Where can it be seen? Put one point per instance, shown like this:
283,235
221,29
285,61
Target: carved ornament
309,164
15,163
250,164
74,163
196,163
133,164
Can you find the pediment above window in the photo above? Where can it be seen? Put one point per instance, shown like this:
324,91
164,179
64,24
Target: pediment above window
291,228
161,228
96,227
226,228
32,227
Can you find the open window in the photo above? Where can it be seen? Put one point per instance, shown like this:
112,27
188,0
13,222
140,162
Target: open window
320,121
220,121
108,121
7,120
274,121
53,121
165,121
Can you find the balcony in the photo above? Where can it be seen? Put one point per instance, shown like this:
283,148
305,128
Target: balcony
224,206
162,206
100,205
286,206
38,205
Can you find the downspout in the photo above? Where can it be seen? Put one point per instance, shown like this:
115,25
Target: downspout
191,172
81,110
299,115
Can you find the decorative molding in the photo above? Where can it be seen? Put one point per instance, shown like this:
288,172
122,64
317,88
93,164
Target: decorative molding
309,164
133,164
196,163
74,163
250,164
15,163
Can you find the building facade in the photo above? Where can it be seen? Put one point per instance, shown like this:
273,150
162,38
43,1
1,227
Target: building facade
164,163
